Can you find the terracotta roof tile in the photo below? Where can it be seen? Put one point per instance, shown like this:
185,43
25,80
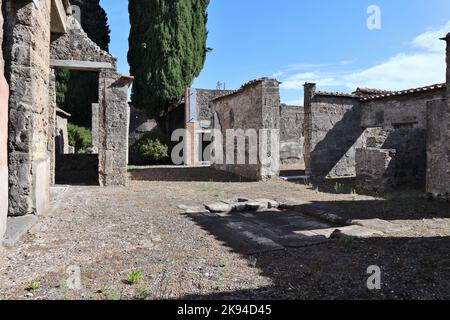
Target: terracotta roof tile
403,92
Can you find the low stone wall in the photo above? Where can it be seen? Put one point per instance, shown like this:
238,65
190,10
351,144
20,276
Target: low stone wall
291,134
256,107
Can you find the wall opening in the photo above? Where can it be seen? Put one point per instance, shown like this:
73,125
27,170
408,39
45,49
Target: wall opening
76,154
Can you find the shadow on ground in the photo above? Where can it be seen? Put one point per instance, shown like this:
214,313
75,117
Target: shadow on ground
412,268
183,174
402,204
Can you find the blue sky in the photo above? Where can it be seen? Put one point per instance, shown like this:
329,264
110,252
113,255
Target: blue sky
321,41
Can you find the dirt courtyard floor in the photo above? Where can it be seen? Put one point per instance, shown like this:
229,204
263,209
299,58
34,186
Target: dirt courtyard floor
135,242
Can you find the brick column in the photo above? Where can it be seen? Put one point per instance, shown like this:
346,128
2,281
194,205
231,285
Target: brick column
310,91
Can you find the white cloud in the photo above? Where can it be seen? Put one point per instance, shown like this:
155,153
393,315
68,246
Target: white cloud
277,74
429,40
424,66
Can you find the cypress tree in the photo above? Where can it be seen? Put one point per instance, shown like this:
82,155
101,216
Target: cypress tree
167,51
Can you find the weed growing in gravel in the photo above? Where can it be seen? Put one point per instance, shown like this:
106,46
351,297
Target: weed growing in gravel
252,262
35,285
104,289
134,277
116,294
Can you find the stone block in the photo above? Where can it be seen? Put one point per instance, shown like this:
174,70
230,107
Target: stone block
41,185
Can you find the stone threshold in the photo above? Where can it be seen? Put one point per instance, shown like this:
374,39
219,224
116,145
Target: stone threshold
17,227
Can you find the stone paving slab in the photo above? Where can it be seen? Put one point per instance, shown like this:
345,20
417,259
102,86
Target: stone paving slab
17,227
265,230
380,225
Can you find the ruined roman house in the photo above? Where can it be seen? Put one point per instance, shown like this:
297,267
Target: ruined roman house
38,37
386,139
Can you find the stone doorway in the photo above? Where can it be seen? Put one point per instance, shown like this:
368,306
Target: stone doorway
76,159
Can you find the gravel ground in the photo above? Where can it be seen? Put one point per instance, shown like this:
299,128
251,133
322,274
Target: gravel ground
111,233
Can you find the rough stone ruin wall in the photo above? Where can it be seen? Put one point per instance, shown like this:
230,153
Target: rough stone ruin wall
3,138
332,134
391,158
112,122
438,141
203,102
254,106
27,70
401,123
291,134
399,111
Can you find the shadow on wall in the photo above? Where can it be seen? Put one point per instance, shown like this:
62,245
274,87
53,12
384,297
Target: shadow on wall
410,163
77,169
335,269
334,155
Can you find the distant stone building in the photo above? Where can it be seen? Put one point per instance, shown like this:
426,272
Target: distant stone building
291,134
255,107
385,139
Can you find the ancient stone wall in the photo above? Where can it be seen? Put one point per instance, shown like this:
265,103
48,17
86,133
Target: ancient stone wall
438,140
255,106
61,132
74,50
375,170
436,155
402,154
409,110
291,134
332,134
3,138
27,31
201,100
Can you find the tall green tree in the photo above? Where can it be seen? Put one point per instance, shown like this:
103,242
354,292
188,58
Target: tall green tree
167,50
76,91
